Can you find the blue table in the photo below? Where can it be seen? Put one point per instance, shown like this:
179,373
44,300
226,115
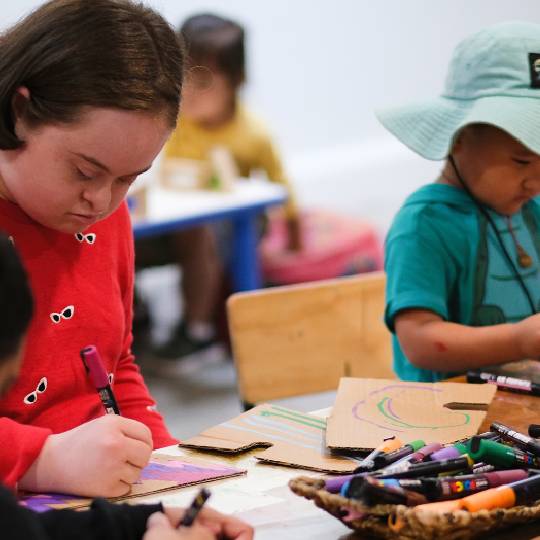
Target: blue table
168,210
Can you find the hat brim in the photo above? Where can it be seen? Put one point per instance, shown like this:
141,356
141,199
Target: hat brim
429,128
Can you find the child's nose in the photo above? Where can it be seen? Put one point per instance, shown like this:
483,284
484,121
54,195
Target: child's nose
532,180
99,196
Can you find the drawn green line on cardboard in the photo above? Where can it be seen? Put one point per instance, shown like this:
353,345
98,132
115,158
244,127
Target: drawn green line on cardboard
300,415
292,419
295,431
394,421
384,401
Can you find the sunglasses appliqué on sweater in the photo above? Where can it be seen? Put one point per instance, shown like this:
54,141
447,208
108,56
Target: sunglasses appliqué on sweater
66,313
89,238
32,397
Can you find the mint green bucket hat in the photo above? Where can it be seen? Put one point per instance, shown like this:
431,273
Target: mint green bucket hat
493,78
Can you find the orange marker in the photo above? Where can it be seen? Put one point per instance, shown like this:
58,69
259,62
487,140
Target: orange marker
386,447
521,492
441,507
501,497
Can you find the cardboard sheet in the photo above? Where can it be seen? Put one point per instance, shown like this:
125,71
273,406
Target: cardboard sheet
163,473
368,410
289,437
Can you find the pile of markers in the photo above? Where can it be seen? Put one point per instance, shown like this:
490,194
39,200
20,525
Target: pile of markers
497,469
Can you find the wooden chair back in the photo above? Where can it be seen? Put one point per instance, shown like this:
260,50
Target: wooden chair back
300,339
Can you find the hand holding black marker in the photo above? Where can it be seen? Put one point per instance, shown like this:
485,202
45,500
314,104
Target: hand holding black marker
195,507
94,366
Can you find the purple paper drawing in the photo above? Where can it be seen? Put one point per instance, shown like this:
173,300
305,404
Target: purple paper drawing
48,501
163,472
182,472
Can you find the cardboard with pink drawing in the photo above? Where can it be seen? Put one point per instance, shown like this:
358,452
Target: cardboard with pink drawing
162,473
287,437
367,411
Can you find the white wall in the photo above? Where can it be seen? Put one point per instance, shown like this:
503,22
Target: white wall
318,68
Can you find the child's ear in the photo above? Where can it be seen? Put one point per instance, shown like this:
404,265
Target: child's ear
19,104
457,142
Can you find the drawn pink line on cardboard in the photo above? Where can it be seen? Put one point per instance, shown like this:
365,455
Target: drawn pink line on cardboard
368,410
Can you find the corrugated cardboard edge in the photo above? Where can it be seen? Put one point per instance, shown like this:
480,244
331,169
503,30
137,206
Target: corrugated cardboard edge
204,442
276,454
327,470
220,449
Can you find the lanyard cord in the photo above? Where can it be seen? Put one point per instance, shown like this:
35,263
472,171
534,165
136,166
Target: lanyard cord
485,213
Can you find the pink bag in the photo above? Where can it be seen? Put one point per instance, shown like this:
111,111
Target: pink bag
332,246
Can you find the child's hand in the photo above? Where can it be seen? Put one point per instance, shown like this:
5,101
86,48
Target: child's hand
221,525
100,458
527,333
158,527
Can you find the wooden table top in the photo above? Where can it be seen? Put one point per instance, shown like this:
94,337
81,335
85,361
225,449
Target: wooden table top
263,499
513,409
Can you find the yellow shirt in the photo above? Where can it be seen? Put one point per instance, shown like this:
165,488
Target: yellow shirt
244,136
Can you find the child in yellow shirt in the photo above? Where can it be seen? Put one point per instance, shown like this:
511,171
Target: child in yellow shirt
212,116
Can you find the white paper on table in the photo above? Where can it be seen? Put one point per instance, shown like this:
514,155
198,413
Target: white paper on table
262,479
228,501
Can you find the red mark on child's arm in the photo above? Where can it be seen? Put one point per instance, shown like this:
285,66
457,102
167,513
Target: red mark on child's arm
440,346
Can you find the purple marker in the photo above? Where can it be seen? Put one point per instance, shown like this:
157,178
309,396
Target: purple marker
334,485
459,486
94,366
416,457
460,447
423,453
449,452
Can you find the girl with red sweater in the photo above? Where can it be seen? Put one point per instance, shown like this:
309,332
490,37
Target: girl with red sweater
89,93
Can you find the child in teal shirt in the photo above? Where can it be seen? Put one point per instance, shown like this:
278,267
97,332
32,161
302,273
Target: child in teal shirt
463,254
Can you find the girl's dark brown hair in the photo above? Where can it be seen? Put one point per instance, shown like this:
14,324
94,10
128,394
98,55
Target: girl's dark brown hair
216,42
75,54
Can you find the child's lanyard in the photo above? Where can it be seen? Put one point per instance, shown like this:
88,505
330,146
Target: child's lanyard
485,213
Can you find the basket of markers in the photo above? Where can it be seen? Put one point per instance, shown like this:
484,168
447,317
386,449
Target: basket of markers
420,491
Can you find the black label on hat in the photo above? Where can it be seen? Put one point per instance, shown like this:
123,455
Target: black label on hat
534,68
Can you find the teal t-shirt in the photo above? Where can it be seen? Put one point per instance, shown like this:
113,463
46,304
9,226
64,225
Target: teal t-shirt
441,255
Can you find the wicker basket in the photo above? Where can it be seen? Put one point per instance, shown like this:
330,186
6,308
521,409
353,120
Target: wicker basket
401,522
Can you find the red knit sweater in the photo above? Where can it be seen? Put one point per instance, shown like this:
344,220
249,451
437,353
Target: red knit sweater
83,291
